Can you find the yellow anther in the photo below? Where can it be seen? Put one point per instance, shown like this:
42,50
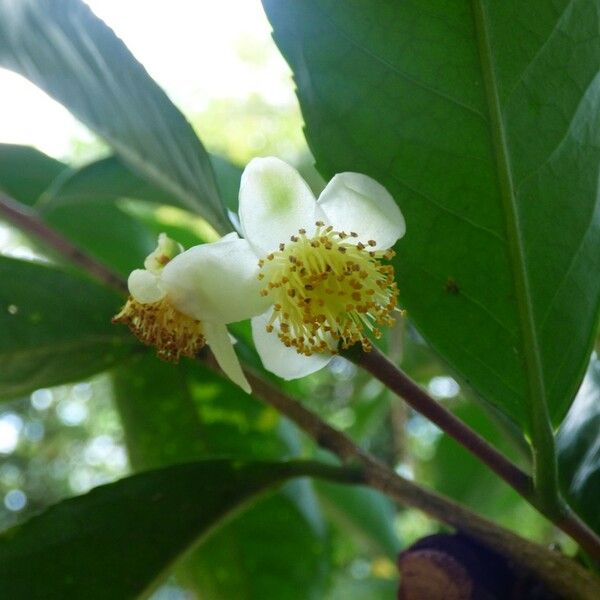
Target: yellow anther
161,325
323,299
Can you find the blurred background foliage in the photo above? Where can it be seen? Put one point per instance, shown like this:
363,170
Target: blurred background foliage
309,540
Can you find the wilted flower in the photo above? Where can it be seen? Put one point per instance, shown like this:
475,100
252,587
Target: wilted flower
183,300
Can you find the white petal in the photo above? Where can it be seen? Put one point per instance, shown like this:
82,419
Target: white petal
144,286
216,282
217,337
275,202
278,358
229,236
165,250
355,202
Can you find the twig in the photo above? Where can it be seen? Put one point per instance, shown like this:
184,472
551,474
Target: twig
395,379
556,570
381,368
27,220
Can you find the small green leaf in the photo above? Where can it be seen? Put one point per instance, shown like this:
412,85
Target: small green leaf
72,55
579,449
55,327
481,119
26,172
119,539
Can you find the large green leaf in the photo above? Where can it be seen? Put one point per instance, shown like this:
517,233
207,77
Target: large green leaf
81,204
118,540
579,448
106,232
26,172
481,118
102,180
109,178
96,225
73,56
80,195
173,414
54,327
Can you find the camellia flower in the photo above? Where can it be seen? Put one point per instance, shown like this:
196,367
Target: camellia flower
320,263
182,300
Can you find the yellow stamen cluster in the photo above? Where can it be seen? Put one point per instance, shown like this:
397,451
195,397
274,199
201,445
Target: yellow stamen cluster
326,291
161,325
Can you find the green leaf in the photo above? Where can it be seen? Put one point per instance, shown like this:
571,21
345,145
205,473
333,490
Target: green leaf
173,414
106,232
364,513
80,194
481,120
228,178
123,536
104,180
55,327
352,588
579,449
277,555
73,56
26,172
96,225
109,179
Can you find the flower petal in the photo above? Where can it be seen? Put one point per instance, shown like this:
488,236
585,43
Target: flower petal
216,282
275,202
165,250
355,202
144,287
278,358
217,337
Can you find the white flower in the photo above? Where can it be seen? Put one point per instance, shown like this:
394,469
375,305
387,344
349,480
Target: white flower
319,263
183,300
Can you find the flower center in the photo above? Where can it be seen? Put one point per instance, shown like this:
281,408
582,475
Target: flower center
161,325
326,291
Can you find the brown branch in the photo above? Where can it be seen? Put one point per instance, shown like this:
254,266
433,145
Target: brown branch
28,221
396,380
556,570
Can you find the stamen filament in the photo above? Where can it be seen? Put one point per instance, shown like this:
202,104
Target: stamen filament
327,291
161,325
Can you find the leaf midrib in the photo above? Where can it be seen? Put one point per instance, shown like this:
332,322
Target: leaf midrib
536,400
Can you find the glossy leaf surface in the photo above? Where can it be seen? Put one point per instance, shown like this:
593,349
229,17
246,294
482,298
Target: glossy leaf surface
481,119
579,449
26,172
72,55
118,539
173,414
55,327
